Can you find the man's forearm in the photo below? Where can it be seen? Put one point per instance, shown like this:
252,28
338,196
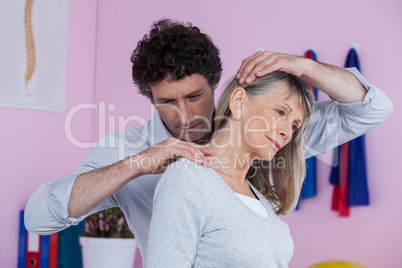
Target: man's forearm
334,81
93,187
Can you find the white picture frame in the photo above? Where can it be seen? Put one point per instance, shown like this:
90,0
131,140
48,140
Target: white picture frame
40,85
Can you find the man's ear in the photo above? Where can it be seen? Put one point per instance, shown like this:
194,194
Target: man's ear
236,102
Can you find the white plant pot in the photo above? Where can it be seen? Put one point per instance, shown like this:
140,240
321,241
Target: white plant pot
108,252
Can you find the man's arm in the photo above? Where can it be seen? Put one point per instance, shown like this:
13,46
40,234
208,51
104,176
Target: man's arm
92,188
357,107
70,199
334,123
336,82
47,209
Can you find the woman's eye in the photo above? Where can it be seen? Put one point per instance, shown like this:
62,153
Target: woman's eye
280,112
294,127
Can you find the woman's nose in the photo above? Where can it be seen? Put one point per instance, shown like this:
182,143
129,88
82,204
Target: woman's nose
285,130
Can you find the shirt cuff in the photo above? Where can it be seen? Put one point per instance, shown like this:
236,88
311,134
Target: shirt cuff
59,198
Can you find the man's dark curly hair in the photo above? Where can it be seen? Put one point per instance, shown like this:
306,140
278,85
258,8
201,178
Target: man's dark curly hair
175,49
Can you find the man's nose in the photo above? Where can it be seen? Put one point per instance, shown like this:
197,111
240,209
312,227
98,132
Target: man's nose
185,113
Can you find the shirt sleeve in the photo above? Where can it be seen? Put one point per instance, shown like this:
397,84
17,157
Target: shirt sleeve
177,221
38,219
47,209
334,123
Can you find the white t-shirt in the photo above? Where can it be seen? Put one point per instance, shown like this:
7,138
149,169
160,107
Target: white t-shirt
254,204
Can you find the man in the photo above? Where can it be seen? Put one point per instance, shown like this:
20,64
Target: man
178,68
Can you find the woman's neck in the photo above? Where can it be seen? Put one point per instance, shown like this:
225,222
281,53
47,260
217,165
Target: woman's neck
230,160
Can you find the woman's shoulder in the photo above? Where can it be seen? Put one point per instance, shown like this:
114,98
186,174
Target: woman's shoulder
185,172
186,179
185,167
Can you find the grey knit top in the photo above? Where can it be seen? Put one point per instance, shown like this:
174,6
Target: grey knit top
198,221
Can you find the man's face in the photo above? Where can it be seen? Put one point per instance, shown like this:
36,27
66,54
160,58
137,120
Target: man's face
185,106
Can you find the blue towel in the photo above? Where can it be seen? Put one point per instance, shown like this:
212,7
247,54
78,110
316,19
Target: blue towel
358,194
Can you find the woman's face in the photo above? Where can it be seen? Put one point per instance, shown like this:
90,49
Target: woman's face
269,120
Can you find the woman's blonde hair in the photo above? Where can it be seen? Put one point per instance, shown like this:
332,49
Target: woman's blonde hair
282,185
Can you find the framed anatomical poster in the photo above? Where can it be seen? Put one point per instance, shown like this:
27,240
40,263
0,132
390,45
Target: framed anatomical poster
33,51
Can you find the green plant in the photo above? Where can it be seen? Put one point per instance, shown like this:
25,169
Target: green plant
107,223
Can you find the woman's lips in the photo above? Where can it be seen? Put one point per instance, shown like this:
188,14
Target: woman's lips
275,143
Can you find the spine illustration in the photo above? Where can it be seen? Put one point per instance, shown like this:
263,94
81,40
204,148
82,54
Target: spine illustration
29,43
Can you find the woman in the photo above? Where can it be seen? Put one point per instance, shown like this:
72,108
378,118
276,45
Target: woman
228,215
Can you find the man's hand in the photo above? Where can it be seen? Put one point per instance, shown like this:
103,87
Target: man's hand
265,62
93,187
336,82
155,159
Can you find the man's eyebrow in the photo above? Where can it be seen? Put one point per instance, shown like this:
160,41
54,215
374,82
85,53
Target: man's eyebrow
163,99
195,92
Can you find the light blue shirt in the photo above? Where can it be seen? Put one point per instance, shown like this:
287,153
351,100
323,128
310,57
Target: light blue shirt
46,212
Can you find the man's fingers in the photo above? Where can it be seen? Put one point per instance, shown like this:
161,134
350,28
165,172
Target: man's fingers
207,151
201,154
252,68
191,155
195,148
241,69
247,70
262,63
174,148
199,148
256,71
245,62
268,68
244,69
193,152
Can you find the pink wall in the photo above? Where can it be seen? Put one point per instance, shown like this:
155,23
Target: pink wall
371,235
35,149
